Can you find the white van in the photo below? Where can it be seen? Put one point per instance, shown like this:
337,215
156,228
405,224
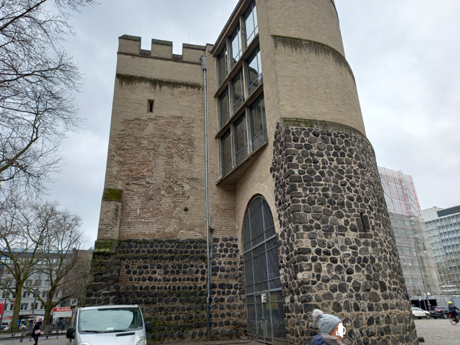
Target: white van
109,324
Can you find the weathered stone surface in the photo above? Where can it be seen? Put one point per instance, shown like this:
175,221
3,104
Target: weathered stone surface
343,243
170,285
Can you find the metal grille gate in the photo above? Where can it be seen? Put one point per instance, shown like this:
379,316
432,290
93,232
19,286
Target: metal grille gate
261,267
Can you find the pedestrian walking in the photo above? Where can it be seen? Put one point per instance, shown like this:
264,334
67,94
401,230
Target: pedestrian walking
37,330
331,330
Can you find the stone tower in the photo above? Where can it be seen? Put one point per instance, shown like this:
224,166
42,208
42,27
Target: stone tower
297,217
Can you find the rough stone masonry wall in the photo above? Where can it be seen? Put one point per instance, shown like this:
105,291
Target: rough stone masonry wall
168,279
337,249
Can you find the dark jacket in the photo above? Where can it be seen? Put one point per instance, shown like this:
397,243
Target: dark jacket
326,339
452,308
38,325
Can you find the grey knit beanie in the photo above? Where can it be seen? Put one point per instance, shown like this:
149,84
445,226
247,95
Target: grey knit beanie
326,322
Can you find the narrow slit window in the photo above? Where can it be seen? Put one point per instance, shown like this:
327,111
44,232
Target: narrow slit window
150,106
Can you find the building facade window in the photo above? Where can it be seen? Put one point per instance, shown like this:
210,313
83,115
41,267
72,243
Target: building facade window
258,123
235,46
24,306
240,92
237,91
254,71
262,277
250,24
222,65
226,149
223,107
240,140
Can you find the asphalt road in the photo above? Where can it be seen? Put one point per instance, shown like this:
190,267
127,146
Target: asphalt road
438,331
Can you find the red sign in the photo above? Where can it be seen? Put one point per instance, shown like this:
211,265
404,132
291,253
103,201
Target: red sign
62,312
62,309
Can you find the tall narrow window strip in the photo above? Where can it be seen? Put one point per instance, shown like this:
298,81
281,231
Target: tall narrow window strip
222,65
226,149
258,123
240,140
254,71
236,46
223,107
250,24
238,93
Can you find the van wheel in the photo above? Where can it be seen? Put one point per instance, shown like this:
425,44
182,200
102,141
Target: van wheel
444,316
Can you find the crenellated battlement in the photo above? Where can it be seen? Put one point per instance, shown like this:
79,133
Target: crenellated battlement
160,49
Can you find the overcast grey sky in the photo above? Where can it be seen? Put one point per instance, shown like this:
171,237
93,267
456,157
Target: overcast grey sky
404,55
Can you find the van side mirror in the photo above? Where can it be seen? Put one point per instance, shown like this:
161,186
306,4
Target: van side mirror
148,327
70,334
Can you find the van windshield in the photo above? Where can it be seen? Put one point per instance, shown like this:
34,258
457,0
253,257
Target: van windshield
110,320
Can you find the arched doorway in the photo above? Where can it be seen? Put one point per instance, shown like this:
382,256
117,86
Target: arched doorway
262,277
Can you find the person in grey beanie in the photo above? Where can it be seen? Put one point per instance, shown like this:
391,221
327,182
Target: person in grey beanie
331,330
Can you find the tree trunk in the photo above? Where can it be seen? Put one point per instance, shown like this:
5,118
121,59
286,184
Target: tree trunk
16,309
46,319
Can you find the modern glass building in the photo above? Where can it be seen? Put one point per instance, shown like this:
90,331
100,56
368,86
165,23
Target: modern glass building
443,227
414,247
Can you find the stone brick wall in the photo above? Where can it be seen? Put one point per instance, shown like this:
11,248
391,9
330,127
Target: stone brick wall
168,279
337,250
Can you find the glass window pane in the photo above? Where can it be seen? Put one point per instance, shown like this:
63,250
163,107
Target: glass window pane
222,65
223,107
250,23
226,153
254,71
238,95
236,46
240,139
258,126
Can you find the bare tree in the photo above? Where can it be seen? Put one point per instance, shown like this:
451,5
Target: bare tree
37,239
37,83
59,258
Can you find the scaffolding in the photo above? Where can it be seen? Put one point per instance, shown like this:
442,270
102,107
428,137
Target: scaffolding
417,262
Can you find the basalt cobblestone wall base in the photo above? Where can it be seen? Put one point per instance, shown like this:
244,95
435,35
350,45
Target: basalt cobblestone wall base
168,279
337,249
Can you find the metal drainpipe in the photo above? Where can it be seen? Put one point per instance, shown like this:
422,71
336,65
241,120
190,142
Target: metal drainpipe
208,235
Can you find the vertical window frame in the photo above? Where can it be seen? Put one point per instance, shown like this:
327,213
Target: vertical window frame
241,120
255,55
224,117
221,75
236,103
234,58
226,165
254,136
251,14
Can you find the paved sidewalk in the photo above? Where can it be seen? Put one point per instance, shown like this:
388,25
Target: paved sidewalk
63,341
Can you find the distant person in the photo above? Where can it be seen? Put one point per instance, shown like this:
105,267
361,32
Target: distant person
331,330
453,309
37,330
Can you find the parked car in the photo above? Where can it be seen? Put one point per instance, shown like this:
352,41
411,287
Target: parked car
420,313
4,327
109,324
440,311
